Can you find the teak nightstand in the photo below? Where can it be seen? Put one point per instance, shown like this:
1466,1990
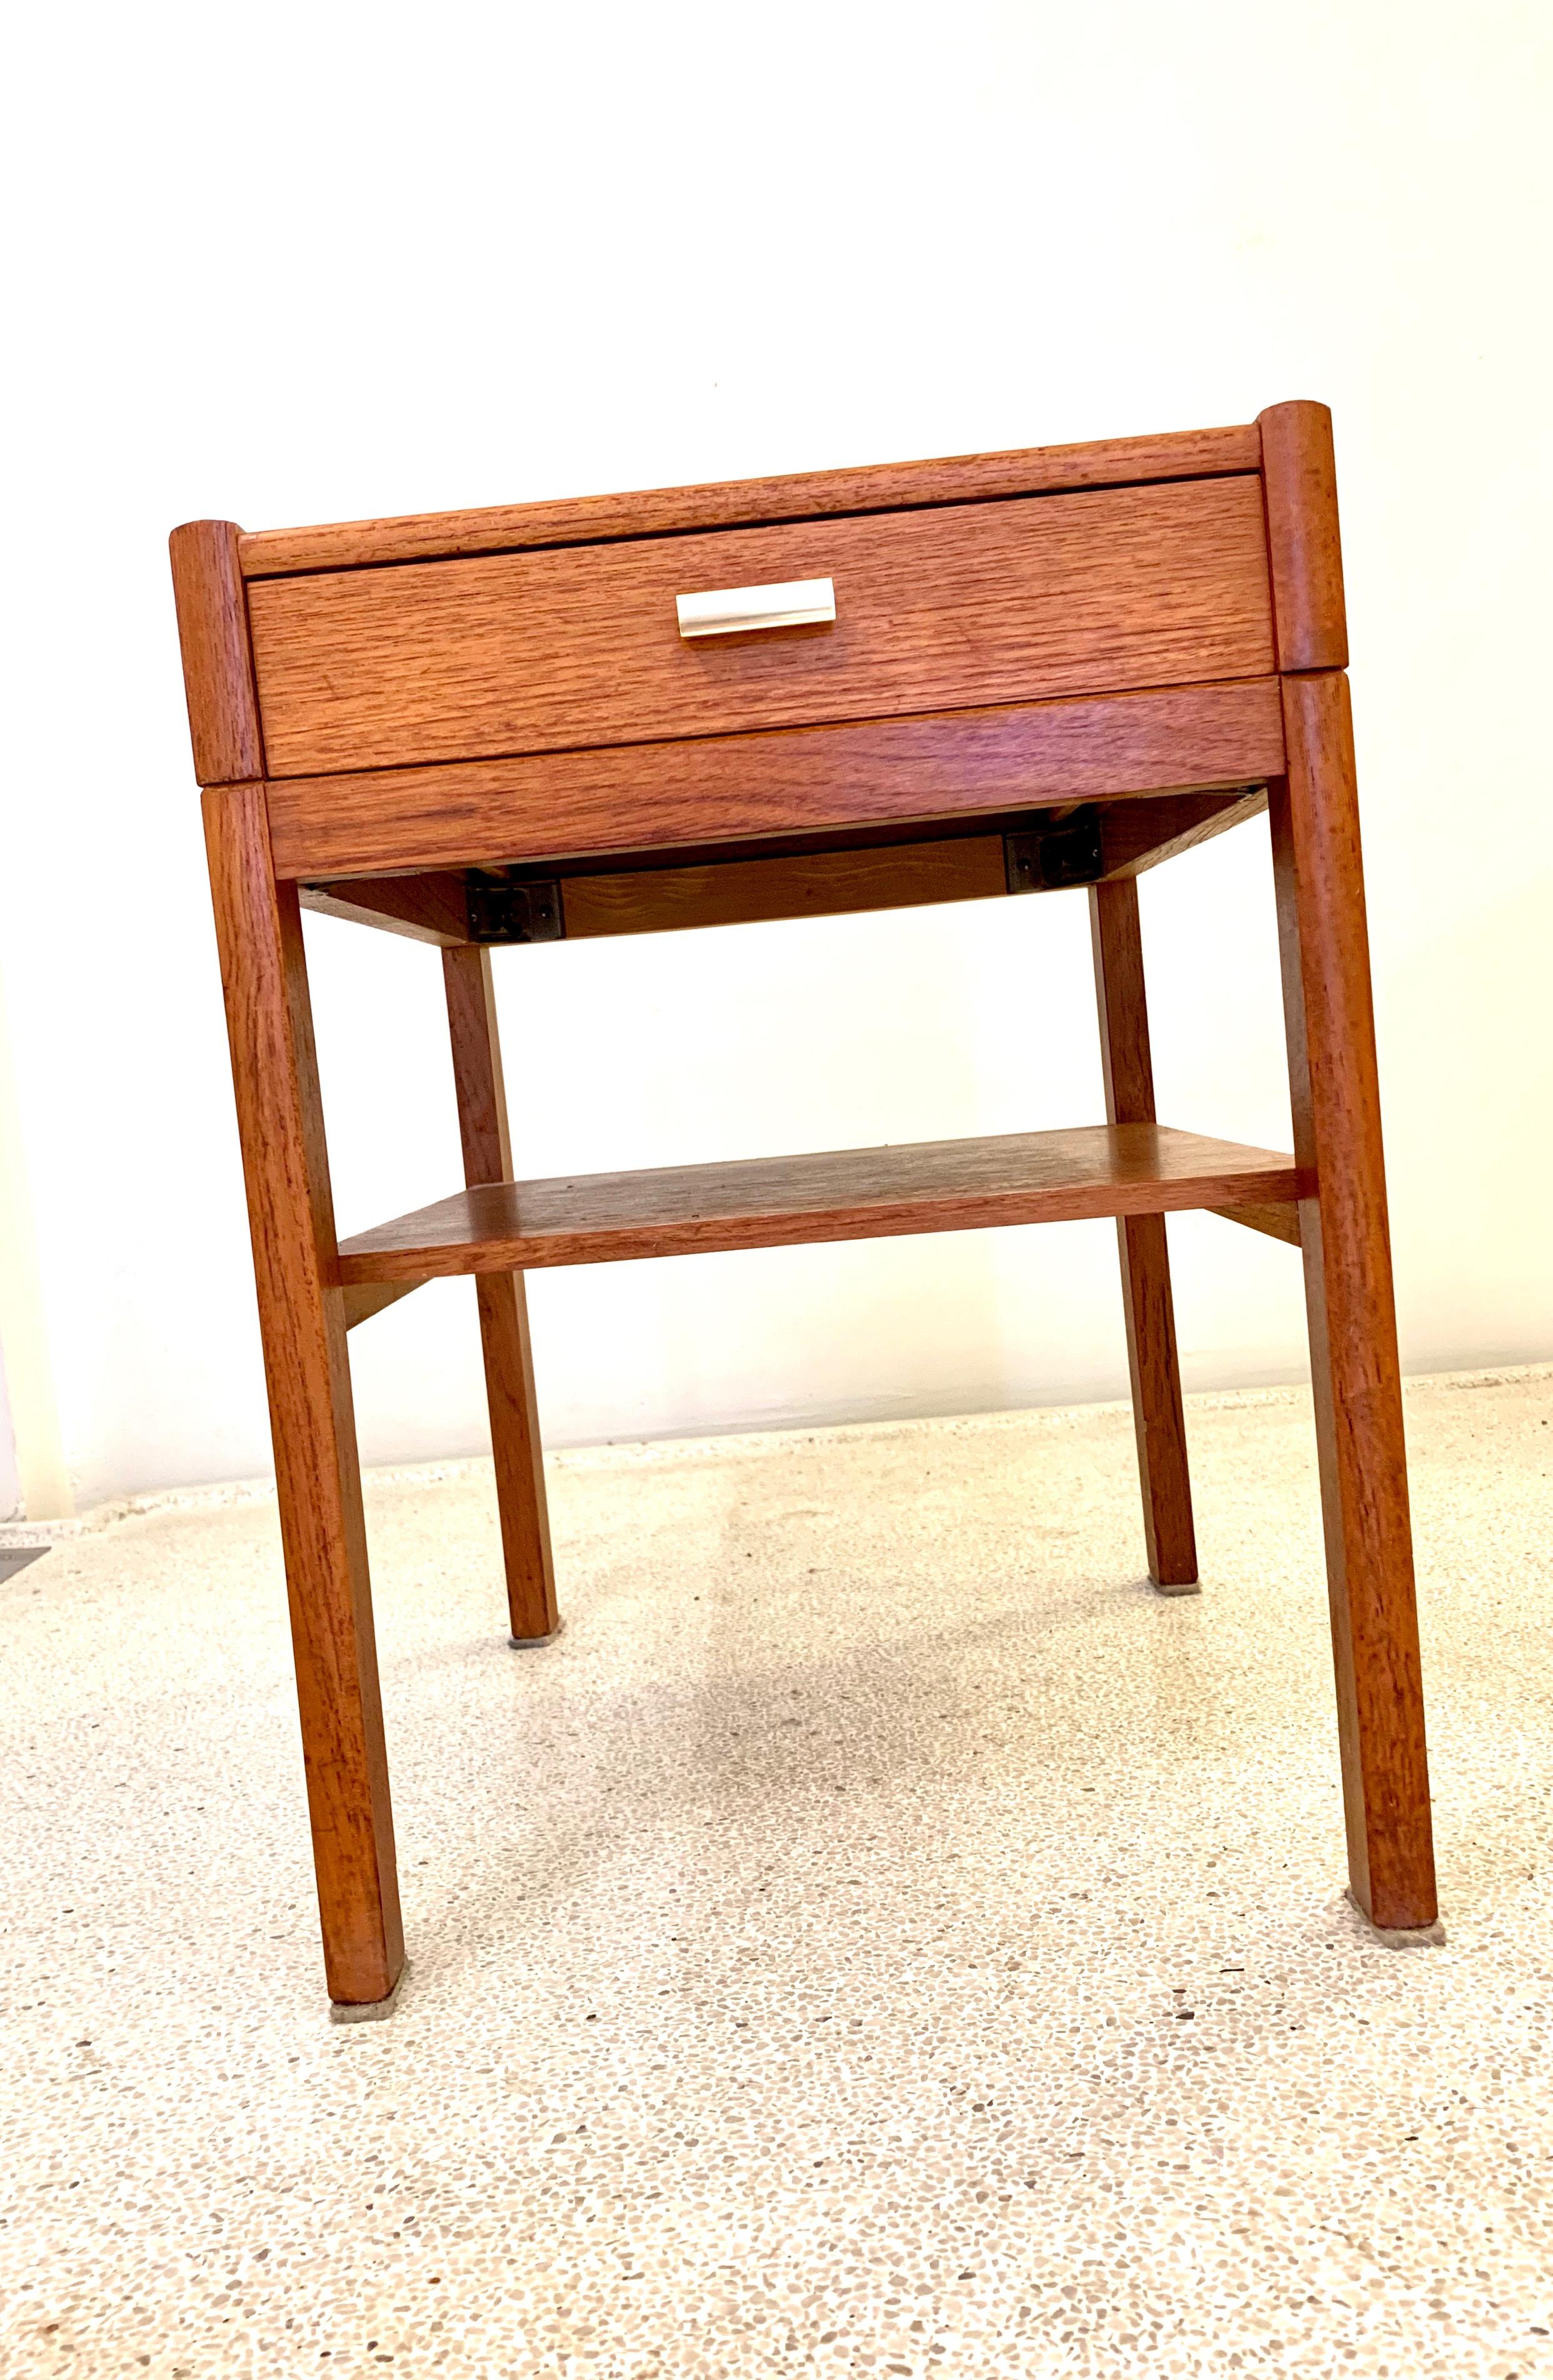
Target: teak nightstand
851,690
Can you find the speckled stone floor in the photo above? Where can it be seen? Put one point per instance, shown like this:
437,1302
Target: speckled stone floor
881,1935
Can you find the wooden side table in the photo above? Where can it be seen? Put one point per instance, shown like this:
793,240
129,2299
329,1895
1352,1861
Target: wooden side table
984,678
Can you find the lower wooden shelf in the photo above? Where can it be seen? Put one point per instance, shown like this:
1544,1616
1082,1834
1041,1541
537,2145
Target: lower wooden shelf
847,1194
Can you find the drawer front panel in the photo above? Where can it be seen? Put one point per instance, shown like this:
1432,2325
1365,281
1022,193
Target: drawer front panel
935,610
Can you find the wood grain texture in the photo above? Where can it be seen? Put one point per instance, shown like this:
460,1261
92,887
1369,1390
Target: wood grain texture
857,1194
806,495
301,1315
361,1301
968,605
820,883
566,805
1304,547
1138,835
824,884
1159,1419
1280,1222
504,1308
217,666
432,908
1320,881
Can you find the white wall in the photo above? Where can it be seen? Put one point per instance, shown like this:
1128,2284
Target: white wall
10,1477
312,262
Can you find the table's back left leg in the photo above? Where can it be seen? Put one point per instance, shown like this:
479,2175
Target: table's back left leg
504,1308
1158,1415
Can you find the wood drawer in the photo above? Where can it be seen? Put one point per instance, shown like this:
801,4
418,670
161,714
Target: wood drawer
937,609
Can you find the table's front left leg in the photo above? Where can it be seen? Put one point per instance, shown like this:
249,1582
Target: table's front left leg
318,1480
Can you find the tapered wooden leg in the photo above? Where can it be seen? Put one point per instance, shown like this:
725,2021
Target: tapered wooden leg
504,1309
1352,1317
317,1483
1146,1265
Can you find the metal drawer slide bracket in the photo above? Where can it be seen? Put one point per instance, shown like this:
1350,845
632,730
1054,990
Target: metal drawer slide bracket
1050,858
506,907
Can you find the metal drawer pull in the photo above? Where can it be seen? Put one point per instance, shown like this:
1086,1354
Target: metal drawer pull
730,611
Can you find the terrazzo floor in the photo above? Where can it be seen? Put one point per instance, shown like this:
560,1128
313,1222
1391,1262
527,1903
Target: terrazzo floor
879,1936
